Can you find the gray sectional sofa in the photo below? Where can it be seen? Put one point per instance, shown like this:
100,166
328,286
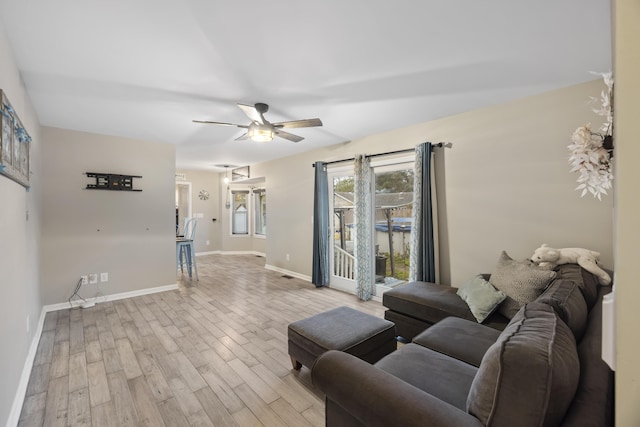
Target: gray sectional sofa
542,367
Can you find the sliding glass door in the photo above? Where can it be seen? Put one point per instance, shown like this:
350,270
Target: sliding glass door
342,235
392,203
393,222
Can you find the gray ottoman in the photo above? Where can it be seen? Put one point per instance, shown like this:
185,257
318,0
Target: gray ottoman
362,335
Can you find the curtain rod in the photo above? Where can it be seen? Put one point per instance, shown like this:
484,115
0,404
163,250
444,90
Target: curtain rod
439,144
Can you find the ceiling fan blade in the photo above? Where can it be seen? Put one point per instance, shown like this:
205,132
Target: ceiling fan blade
220,123
242,137
306,123
287,135
252,113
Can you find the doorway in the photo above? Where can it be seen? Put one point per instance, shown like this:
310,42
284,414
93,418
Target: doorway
183,204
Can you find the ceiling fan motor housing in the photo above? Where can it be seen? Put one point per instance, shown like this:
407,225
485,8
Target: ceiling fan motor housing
261,107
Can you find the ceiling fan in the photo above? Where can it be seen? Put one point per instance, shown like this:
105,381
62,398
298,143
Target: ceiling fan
261,129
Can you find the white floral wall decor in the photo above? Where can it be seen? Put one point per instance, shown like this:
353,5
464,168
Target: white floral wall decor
592,152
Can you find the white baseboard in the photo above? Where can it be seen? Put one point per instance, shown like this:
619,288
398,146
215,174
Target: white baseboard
18,401
256,253
231,253
207,253
111,297
288,272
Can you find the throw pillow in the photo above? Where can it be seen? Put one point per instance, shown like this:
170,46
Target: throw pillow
521,281
481,297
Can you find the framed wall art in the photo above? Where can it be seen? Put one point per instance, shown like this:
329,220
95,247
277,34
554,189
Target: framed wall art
15,143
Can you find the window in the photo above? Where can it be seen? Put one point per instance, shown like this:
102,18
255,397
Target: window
240,212
249,208
260,211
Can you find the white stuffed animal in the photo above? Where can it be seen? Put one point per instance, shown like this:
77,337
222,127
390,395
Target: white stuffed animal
549,257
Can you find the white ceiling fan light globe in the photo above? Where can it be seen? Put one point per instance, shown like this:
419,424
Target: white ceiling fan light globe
260,133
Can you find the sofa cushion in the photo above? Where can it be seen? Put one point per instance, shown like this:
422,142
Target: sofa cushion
481,297
587,282
426,301
567,300
441,376
521,281
462,339
530,374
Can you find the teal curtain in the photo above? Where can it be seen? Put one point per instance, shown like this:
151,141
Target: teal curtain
422,264
320,272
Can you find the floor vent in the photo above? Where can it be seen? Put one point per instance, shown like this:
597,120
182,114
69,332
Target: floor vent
286,276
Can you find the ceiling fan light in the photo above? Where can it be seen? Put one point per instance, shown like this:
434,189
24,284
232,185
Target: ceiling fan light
260,134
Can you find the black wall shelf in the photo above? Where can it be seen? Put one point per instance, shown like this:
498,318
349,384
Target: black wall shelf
110,181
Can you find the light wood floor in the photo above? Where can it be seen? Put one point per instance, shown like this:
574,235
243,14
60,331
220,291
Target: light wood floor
213,352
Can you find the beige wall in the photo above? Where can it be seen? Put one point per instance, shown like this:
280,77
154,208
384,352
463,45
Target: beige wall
627,174
289,211
19,253
503,185
130,235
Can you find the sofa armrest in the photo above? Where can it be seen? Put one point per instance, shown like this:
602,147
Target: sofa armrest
376,398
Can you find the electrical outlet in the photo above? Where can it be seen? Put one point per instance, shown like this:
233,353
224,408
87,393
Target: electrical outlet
85,280
28,324
208,243
104,277
288,257
93,278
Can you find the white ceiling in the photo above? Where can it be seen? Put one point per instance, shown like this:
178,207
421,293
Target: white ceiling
145,68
